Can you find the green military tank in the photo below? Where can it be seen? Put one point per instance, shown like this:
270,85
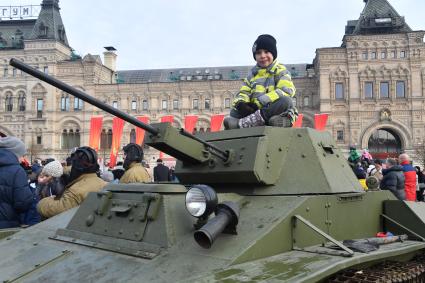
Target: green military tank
260,204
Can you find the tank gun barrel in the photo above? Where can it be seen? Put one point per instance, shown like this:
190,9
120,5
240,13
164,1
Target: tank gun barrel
81,95
182,145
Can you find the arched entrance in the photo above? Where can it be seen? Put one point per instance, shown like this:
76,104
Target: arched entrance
384,143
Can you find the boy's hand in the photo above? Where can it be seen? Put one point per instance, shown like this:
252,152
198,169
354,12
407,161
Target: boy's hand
264,100
244,109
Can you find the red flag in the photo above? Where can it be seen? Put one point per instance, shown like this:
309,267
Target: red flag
216,121
164,119
299,122
320,121
117,127
95,129
140,133
190,123
169,119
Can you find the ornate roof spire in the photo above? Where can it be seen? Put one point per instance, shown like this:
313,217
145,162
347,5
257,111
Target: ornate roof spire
377,17
49,24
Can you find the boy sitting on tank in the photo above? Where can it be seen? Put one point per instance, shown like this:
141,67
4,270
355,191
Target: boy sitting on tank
265,97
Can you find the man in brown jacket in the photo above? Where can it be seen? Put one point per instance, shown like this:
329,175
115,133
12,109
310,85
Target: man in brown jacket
134,171
83,180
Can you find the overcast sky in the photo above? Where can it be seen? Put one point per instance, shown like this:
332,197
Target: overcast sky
153,34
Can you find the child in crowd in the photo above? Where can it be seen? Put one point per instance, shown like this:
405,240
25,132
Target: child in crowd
49,180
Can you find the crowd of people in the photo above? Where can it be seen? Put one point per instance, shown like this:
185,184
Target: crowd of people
30,193
405,181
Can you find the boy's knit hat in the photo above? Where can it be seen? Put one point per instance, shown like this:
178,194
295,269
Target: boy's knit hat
53,168
266,42
13,144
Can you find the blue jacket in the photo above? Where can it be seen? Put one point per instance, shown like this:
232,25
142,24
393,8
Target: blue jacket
15,194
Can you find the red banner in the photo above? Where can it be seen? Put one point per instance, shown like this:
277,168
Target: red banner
216,121
299,122
164,119
140,133
190,123
169,119
117,127
95,130
320,121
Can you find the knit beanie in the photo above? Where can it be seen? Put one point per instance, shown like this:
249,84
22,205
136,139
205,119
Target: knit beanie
53,168
266,42
13,144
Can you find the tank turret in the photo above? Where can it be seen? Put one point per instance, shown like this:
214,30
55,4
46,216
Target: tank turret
260,160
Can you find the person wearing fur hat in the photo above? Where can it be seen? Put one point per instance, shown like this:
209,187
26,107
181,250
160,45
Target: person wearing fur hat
82,180
50,182
265,97
16,197
134,171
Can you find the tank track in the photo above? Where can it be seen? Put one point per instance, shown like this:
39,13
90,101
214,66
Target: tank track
387,271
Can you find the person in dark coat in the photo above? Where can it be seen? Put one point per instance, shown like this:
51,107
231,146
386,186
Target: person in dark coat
16,197
394,179
421,184
161,173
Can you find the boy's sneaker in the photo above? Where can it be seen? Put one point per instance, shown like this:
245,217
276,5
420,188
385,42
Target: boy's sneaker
231,123
285,119
280,121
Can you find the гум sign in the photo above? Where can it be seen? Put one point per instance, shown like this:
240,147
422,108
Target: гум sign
19,12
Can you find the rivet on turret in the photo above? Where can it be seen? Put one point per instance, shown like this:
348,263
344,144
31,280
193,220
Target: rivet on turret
303,155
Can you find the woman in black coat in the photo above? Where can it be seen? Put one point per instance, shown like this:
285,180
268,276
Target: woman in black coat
394,179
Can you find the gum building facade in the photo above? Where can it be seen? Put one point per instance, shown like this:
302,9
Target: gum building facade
372,86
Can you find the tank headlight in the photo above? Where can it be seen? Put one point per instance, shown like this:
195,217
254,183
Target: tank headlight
201,200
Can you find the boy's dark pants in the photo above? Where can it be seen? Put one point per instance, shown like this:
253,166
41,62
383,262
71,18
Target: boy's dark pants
277,107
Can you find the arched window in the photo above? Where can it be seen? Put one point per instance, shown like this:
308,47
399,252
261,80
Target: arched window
133,136
384,143
106,139
64,140
9,103
21,101
70,139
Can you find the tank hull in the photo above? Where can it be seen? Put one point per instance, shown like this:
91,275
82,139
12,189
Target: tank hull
269,244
